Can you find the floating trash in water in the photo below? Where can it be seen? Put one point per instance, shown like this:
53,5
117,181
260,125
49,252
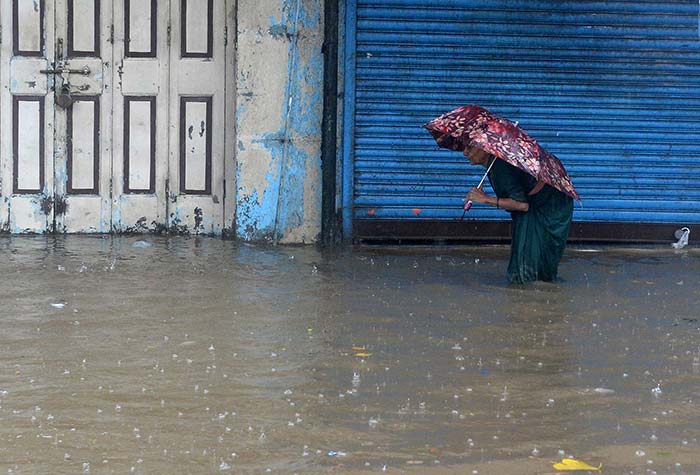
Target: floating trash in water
535,452
336,453
682,235
640,453
142,244
573,465
603,391
58,305
657,390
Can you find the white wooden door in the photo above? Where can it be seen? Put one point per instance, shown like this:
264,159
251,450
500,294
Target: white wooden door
26,117
198,105
82,135
54,157
115,120
140,167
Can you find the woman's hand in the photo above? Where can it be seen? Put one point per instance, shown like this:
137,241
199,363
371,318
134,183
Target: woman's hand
478,196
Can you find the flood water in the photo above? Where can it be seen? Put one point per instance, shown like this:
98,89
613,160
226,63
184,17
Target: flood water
196,356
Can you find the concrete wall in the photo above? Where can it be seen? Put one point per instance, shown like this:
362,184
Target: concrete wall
279,103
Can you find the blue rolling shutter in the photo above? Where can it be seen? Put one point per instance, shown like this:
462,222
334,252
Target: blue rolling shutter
610,87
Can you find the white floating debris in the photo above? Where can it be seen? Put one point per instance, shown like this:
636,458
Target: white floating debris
682,235
142,244
640,453
603,391
58,305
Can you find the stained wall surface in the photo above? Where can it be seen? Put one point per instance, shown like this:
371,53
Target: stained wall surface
279,103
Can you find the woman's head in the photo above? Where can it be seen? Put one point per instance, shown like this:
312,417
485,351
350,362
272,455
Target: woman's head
476,155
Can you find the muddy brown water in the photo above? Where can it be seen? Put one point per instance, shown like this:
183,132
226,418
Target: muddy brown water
196,355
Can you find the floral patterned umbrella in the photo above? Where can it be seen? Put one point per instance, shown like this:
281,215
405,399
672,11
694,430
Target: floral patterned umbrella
476,126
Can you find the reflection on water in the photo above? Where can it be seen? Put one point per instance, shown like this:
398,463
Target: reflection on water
175,355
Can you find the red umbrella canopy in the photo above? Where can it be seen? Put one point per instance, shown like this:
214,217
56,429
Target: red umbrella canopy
475,126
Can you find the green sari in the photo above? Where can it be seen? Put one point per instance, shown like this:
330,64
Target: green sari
539,235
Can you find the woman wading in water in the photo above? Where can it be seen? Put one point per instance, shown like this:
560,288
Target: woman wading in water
541,217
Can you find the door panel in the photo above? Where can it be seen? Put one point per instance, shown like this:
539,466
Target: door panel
140,116
197,108
26,117
83,130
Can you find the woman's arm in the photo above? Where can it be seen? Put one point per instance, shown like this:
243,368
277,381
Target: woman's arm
478,196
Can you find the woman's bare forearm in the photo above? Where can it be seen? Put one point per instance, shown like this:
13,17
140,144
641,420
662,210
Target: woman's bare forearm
508,204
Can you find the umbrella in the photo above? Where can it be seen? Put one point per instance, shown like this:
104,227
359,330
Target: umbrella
473,125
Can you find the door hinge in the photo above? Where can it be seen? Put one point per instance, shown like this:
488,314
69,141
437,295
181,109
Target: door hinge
111,34
225,35
168,33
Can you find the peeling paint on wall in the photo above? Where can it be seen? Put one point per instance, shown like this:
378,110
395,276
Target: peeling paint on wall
279,126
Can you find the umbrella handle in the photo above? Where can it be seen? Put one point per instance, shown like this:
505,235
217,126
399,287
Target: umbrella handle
467,205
